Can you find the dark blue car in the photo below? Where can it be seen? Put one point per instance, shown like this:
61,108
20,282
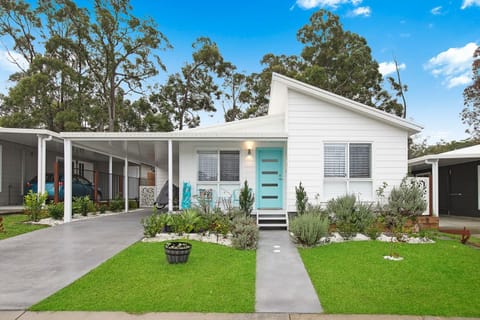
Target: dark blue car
80,187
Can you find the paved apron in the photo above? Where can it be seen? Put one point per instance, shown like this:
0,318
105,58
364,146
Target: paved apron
282,283
35,265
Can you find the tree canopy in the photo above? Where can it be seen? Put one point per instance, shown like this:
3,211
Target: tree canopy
471,95
332,59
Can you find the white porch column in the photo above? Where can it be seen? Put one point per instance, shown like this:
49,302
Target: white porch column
110,181
44,165
435,205
67,176
40,172
125,183
170,177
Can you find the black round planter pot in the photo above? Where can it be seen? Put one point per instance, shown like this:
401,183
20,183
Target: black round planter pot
177,251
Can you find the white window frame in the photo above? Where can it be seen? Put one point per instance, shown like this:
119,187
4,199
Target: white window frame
218,181
347,179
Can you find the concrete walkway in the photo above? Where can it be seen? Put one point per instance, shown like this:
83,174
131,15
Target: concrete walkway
35,265
282,283
203,316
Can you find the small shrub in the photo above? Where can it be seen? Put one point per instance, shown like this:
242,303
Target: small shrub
102,208
153,224
309,228
374,230
220,225
132,204
116,204
92,207
245,233
301,199
246,199
81,205
33,204
187,221
55,210
407,199
350,218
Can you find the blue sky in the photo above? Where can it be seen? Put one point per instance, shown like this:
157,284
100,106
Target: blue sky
433,41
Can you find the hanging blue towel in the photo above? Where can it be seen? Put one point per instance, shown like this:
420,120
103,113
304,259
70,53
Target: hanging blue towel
186,195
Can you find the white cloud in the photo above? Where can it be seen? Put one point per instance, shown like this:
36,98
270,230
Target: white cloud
387,68
309,4
362,11
454,65
436,11
469,3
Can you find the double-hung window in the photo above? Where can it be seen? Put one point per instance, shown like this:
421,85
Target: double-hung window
218,173
348,169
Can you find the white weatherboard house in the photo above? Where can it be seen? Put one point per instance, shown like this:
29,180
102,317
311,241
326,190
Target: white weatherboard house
331,144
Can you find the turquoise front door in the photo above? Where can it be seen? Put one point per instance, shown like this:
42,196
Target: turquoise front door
269,178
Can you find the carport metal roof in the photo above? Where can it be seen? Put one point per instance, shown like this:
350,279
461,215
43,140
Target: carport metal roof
446,158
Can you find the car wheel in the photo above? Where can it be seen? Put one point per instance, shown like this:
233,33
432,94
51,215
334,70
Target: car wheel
99,196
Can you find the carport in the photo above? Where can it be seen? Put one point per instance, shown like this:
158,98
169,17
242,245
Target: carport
455,180
24,154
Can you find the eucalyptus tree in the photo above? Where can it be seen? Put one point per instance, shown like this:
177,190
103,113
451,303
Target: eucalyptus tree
194,89
332,59
471,96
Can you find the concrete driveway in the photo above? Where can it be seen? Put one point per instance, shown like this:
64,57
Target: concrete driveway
454,222
36,264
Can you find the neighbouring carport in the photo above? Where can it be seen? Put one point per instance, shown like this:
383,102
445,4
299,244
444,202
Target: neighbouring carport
455,180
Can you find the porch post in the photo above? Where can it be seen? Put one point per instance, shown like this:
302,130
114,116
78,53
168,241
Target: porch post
110,181
125,183
435,207
40,173
44,165
170,177
67,176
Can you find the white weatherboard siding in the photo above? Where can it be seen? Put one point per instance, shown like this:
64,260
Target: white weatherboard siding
312,123
188,162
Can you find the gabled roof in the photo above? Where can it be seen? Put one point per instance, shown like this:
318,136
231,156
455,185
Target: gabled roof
278,95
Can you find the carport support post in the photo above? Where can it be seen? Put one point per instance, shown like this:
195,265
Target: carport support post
110,183
67,176
170,177
125,183
434,163
40,170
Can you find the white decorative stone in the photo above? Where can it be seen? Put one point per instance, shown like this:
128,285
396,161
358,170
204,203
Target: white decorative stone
211,238
360,237
393,258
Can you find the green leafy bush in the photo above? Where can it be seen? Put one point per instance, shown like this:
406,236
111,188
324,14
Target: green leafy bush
309,228
55,210
246,199
408,198
33,204
132,204
116,204
102,208
187,221
350,218
153,224
301,199
81,205
245,233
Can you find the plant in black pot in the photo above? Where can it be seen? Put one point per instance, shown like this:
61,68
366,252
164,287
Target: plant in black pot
177,251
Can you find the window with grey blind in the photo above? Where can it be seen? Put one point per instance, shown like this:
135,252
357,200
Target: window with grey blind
207,166
357,166
360,160
229,165
219,166
334,157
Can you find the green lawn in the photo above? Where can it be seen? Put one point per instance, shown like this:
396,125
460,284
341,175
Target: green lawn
138,279
14,225
441,279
